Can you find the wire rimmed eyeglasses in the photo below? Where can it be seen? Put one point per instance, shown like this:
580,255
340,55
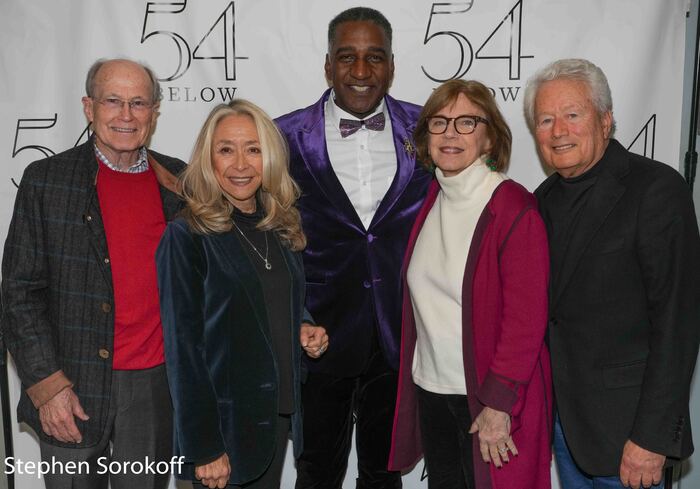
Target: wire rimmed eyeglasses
136,105
464,124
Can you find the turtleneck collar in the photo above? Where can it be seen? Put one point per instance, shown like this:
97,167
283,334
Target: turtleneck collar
468,184
251,220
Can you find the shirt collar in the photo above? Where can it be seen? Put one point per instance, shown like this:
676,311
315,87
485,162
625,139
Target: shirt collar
140,166
335,113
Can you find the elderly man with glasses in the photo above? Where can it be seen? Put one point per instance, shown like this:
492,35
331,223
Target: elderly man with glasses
79,294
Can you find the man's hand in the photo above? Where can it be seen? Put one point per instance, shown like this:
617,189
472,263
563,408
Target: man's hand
214,474
313,339
640,467
494,436
57,416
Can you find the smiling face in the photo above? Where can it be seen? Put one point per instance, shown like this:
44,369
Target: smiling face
451,151
360,67
237,160
120,132
571,134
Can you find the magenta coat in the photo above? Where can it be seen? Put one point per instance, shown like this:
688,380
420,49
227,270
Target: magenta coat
504,317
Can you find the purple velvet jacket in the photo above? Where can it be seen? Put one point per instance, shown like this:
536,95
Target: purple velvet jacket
353,273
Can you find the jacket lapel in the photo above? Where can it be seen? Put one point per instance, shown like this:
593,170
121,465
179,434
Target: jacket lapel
86,176
605,194
169,187
315,154
402,127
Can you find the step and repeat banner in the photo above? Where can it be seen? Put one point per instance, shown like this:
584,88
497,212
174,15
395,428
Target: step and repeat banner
272,52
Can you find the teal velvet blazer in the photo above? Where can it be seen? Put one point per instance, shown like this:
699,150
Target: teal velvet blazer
221,369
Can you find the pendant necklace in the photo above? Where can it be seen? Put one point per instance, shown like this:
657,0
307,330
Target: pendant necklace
268,266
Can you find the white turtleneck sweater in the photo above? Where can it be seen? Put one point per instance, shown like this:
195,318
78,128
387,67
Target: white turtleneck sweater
436,272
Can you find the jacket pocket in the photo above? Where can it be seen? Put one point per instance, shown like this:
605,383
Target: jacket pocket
604,247
626,375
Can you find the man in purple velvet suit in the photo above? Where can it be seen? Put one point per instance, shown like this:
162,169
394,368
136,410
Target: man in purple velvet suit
352,154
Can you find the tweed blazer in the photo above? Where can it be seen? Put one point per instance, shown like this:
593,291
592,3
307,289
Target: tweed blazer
57,296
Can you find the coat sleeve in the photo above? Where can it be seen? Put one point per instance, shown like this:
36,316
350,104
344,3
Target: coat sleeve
26,323
181,273
524,274
668,249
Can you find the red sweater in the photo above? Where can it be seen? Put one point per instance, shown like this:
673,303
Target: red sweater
132,212
504,317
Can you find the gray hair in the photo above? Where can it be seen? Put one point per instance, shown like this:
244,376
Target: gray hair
359,14
156,95
570,69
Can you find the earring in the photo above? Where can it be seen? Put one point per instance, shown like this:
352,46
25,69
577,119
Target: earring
491,163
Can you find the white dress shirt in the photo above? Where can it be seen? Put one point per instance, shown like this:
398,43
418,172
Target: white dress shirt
364,162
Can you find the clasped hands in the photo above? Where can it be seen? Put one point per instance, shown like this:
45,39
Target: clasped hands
314,339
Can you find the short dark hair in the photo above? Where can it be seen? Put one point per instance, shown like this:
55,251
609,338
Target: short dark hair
478,94
359,14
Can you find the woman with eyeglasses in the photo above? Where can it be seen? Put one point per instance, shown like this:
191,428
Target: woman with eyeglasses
474,382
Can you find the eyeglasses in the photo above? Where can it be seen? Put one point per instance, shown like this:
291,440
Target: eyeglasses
115,104
464,124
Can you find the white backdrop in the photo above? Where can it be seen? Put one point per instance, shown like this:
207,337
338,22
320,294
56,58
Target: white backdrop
272,52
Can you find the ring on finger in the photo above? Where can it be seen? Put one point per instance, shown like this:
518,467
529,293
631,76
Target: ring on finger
322,349
503,450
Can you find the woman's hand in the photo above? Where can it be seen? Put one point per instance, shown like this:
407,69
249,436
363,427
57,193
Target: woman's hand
494,436
313,339
214,474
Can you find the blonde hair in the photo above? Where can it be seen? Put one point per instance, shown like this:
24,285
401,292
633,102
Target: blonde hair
208,206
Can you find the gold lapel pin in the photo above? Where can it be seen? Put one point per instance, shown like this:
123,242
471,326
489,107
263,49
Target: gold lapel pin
408,147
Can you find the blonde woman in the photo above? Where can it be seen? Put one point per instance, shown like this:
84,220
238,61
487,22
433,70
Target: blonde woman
232,293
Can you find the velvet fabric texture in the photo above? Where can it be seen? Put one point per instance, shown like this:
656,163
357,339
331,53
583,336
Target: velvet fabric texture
504,317
221,367
352,273
625,314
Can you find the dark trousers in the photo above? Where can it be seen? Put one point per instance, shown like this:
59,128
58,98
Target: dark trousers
447,444
331,405
271,478
139,425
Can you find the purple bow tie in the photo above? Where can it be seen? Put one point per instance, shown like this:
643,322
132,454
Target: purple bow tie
350,126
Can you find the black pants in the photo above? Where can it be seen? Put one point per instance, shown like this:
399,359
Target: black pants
139,425
447,444
331,404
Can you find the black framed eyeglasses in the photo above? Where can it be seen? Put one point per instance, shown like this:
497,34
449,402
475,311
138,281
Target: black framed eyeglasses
464,124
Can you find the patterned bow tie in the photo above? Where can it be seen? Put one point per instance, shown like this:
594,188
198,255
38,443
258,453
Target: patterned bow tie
350,126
